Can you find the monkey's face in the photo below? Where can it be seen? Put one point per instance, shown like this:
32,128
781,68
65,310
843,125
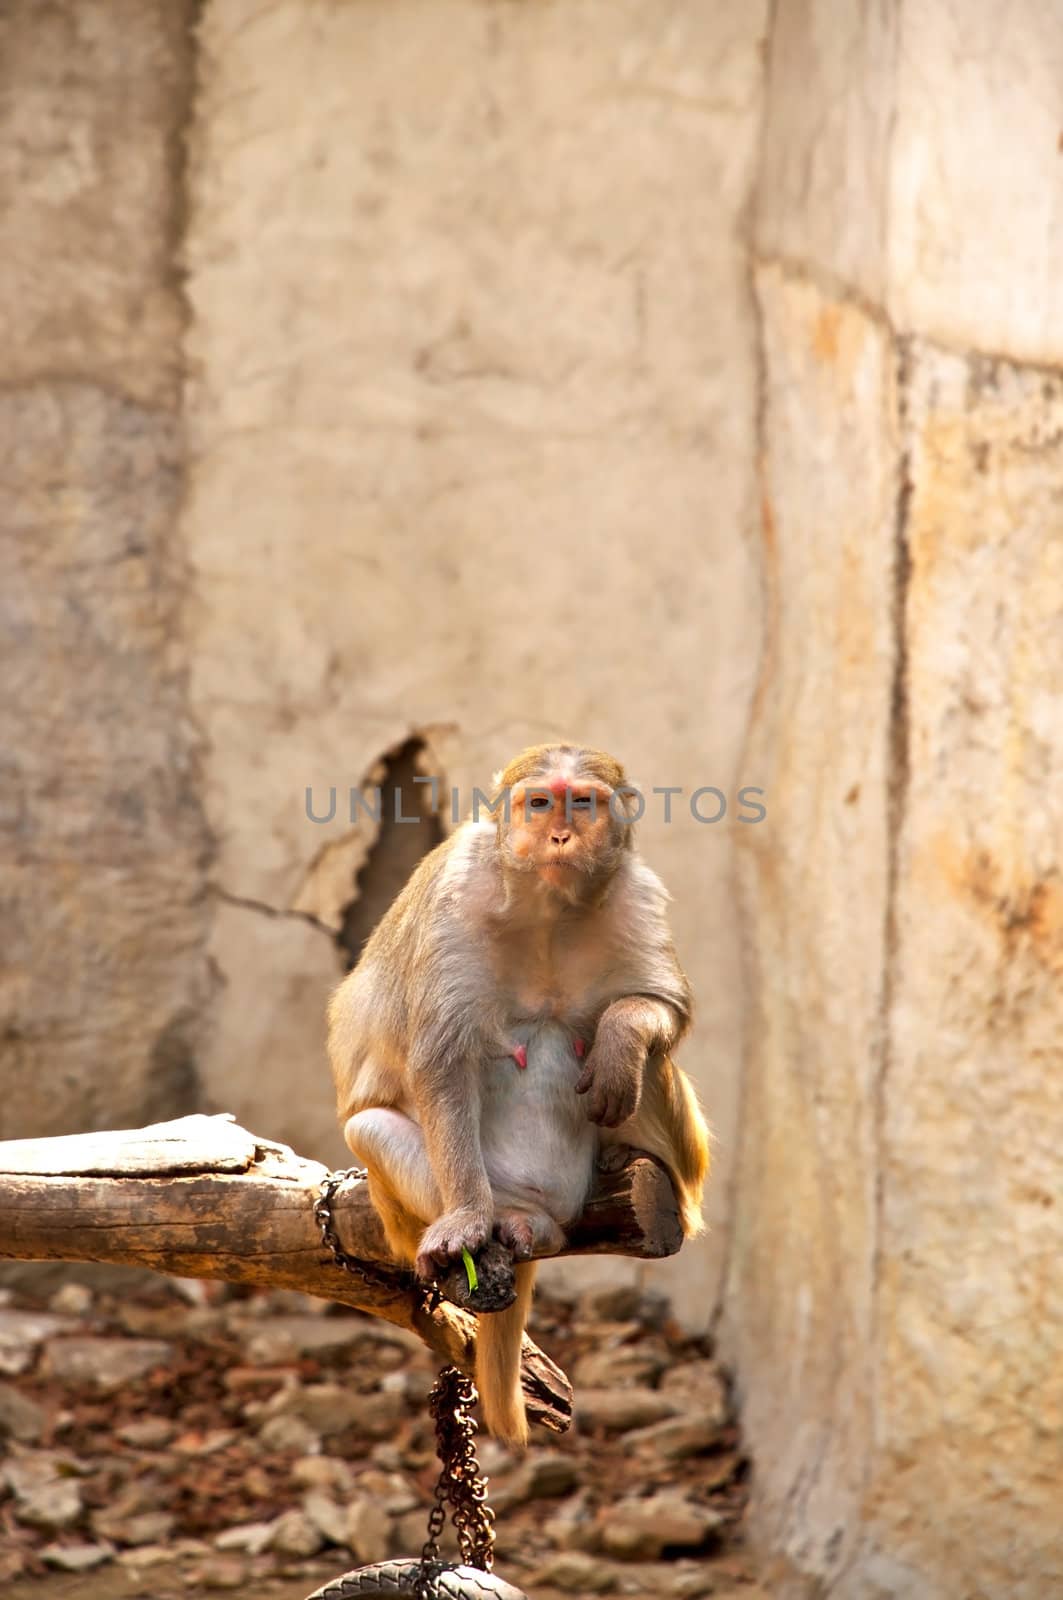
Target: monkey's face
563,829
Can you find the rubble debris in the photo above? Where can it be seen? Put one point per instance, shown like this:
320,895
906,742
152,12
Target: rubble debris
212,1442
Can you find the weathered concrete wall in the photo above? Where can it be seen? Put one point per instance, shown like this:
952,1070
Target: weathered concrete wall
801,1319
465,382
894,1301
450,433
470,408
102,836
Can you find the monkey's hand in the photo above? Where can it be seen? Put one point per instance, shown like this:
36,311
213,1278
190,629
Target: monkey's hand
612,1075
463,1229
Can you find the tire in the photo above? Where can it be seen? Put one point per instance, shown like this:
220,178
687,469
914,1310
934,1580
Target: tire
399,1580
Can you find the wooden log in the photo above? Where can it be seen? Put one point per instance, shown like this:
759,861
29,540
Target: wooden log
201,1197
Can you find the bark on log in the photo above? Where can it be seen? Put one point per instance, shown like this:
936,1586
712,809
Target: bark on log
203,1198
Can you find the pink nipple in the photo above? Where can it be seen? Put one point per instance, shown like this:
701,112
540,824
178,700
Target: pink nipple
520,1056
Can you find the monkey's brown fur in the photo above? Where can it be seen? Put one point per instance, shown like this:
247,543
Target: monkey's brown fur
511,1017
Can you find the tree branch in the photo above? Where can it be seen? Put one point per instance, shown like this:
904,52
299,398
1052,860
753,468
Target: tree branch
203,1198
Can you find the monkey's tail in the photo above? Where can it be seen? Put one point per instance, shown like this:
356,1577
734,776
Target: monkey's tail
498,1344
670,1125
690,1135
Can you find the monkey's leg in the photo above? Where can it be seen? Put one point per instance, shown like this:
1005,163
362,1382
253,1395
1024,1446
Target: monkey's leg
447,1098
392,1147
401,1230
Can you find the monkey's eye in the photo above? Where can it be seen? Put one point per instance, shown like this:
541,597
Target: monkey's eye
540,802
581,802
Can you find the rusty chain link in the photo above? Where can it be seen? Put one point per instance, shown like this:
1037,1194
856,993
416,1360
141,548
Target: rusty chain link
461,1483
368,1272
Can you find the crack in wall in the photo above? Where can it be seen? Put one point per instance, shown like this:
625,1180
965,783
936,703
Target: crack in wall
180,1047
835,288
264,909
894,406
898,779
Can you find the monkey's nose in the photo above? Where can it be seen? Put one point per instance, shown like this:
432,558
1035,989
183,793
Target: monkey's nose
560,838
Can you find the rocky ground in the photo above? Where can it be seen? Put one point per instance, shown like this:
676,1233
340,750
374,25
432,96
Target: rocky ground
166,1441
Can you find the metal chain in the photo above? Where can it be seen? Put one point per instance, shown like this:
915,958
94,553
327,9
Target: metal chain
368,1272
461,1483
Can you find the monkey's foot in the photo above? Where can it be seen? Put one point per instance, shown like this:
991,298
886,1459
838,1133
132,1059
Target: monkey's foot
528,1233
614,1156
444,1241
514,1228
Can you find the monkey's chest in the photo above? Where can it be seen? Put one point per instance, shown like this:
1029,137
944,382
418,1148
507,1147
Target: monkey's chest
537,1142
555,983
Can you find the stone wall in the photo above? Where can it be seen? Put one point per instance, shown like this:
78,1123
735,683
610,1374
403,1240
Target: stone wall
373,370
470,410
894,1298
103,842
392,383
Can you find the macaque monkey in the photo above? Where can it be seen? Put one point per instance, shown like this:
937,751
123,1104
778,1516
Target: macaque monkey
511,1018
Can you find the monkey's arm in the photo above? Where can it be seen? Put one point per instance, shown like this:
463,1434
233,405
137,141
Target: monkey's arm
629,1032
446,1092
650,1007
659,1024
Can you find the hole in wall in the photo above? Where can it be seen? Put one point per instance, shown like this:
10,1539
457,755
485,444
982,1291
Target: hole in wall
398,848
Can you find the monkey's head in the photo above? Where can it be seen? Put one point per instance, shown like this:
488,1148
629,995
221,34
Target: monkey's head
569,822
